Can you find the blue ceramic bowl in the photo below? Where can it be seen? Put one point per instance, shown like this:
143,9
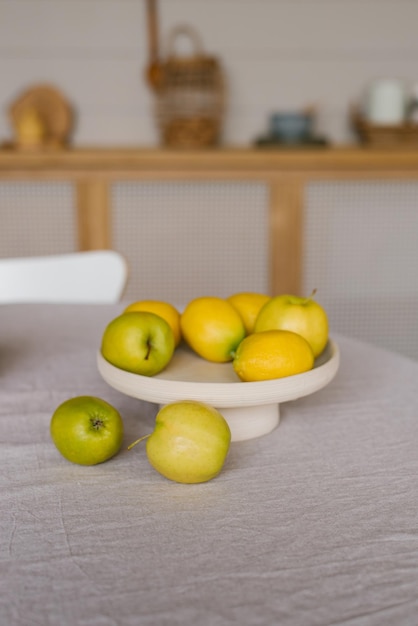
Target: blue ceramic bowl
291,127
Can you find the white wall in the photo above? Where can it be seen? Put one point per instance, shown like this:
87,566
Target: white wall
278,54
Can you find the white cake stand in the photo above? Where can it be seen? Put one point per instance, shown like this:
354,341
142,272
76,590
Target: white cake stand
251,409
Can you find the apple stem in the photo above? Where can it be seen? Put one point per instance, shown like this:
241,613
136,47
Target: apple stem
138,440
149,346
311,296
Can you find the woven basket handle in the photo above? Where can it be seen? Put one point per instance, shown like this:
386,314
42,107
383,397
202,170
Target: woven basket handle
185,30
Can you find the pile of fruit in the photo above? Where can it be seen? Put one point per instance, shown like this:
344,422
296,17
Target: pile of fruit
263,337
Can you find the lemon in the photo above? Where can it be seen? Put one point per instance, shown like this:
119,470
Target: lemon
212,328
248,305
164,309
272,354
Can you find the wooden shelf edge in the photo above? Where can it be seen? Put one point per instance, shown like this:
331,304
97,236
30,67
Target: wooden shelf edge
130,160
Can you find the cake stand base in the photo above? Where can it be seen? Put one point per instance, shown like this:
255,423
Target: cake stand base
248,422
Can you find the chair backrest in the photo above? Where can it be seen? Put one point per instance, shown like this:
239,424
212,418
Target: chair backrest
97,277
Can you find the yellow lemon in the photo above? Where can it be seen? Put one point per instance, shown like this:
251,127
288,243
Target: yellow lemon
164,309
272,354
212,328
248,305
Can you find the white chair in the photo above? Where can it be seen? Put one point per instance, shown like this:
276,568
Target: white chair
91,277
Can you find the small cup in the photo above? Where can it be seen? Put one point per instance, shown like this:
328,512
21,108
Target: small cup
291,127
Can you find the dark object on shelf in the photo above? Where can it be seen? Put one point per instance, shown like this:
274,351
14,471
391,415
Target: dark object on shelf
292,126
291,129
308,142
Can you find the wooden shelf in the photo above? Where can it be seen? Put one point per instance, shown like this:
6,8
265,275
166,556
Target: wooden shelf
285,171
120,160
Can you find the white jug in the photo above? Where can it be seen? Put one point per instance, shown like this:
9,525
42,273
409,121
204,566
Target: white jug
386,102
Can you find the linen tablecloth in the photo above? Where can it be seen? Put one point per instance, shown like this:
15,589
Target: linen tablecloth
314,524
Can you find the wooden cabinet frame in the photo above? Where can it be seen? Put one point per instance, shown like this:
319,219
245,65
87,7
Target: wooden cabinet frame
286,172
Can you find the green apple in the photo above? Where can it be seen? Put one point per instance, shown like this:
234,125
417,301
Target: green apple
139,341
303,316
86,430
190,442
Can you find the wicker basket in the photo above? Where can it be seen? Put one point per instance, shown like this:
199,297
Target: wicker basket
376,135
189,96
